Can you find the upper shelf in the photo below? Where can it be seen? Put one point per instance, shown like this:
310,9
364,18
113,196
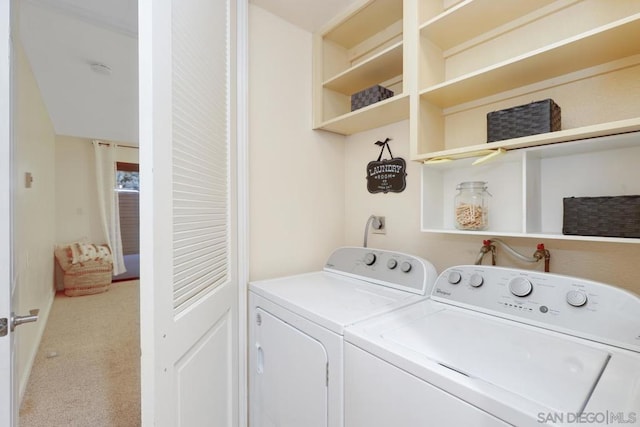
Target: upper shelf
461,23
381,113
600,45
363,22
385,65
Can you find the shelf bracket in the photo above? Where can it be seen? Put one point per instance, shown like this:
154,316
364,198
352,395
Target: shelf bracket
486,156
437,160
490,156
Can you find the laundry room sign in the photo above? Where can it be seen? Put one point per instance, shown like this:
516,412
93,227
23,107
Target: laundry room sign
386,175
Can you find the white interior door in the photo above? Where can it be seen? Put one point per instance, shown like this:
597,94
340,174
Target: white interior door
189,289
8,395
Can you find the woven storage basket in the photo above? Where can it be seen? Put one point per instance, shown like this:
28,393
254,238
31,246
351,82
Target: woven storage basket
91,278
617,216
85,278
523,120
369,96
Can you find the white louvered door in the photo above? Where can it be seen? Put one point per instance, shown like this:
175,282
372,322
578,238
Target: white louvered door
189,301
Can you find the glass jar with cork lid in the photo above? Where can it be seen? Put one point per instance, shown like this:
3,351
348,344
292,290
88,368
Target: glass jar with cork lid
471,206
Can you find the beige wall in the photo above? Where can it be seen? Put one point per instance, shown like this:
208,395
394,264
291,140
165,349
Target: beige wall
296,174
34,220
604,262
76,203
77,212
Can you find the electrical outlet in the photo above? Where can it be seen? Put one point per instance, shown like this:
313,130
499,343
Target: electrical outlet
383,226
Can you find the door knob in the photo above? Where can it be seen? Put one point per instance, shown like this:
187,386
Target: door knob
20,320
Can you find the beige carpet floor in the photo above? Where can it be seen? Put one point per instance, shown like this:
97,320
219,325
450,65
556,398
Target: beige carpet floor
87,370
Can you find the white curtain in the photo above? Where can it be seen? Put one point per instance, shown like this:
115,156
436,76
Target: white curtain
108,201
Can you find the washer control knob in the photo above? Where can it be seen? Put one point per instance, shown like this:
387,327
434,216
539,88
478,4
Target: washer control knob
391,264
454,277
576,298
405,266
476,280
520,286
370,258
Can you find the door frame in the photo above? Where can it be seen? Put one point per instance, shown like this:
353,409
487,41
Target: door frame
242,168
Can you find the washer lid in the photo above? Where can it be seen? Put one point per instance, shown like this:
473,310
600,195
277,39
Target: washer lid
557,373
332,300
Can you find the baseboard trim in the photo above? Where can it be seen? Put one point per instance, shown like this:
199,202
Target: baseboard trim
43,318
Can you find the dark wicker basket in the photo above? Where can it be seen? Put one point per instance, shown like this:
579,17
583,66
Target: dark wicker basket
523,120
617,216
369,96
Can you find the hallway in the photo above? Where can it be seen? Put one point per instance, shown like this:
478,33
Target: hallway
87,369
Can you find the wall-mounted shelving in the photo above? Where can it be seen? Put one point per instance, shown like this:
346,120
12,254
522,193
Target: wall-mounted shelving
359,49
459,85
451,62
528,185
589,70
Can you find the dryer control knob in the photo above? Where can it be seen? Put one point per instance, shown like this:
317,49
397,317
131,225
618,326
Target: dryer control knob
476,280
576,298
405,266
454,278
520,286
391,264
370,258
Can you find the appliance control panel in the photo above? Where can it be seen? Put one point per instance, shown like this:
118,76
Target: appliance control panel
387,268
571,305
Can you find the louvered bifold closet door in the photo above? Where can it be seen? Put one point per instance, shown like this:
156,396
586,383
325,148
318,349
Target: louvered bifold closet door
200,152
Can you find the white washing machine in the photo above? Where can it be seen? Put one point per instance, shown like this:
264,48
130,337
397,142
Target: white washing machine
297,325
496,346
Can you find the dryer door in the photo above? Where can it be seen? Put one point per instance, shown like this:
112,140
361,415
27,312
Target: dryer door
289,376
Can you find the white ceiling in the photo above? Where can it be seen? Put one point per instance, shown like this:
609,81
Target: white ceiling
307,14
62,38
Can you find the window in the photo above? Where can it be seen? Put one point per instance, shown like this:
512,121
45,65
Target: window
127,177
128,188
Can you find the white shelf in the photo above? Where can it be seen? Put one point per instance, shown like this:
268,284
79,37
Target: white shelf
598,46
381,113
541,236
460,23
379,68
585,132
528,186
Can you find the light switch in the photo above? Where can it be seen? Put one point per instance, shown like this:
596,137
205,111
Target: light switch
28,179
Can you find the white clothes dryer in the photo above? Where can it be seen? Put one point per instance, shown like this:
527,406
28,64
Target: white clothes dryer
297,325
497,346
